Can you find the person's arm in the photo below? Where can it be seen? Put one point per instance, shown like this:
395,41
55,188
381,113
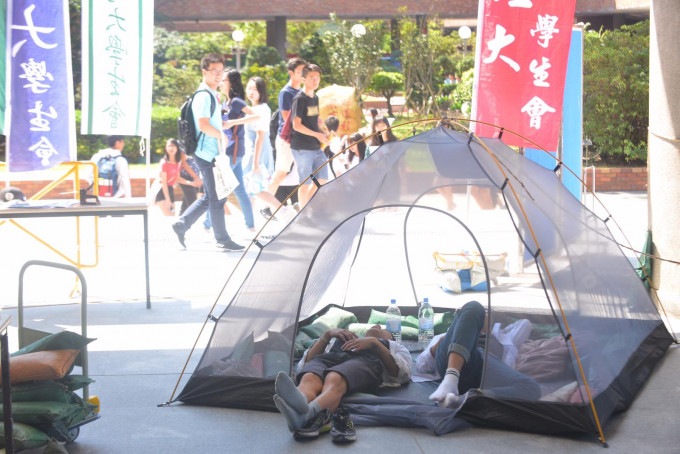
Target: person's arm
259,140
284,114
197,182
302,129
320,345
124,186
373,344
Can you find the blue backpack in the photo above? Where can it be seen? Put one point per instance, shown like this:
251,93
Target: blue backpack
108,175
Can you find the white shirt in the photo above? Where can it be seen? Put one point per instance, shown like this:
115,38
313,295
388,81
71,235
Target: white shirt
124,186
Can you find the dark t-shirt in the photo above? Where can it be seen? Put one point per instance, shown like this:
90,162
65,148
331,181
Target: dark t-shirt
308,110
286,96
234,111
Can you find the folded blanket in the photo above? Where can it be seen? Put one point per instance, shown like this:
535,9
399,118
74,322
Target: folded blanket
543,359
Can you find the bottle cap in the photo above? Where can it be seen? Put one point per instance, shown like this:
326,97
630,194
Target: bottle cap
393,301
426,300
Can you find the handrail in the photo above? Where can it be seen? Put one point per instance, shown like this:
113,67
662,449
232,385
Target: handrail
83,307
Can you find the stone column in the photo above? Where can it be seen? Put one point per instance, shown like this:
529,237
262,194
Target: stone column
664,150
276,35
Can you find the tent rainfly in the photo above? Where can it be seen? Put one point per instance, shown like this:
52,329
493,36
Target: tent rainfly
369,235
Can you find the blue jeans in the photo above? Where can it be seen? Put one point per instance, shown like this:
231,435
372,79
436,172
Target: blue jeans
308,161
241,193
461,338
208,202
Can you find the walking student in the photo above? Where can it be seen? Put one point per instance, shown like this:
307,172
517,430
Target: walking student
211,143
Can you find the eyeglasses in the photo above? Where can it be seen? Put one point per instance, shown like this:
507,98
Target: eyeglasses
215,72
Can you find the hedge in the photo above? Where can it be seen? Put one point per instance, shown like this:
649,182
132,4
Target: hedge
163,127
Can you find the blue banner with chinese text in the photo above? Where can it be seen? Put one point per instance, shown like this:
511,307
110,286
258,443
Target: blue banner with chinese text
39,116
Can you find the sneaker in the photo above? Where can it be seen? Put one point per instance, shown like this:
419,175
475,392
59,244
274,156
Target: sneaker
319,424
229,246
180,233
342,427
267,213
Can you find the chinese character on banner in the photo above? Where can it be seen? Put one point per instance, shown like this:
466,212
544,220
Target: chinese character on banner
117,67
522,54
39,118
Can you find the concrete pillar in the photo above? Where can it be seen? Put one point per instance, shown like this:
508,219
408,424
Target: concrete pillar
664,150
276,35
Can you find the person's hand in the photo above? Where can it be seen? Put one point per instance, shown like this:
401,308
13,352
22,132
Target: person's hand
323,138
226,124
256,168
168,204
360,343
341,334
197,183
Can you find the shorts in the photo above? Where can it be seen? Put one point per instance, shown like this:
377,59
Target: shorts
363,372
308,161
284,158
160,196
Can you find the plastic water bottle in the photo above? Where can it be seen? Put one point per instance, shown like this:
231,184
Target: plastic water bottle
425,324
393,323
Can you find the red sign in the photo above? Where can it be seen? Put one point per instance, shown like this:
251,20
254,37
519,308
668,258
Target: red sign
522,53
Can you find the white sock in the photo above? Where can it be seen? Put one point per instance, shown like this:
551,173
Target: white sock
448,385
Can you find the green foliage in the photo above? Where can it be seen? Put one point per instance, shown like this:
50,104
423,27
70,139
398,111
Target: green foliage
354,59
263,56
313,50
616,92
275,78
255,34
426,59
386,84
173,81
298,32
193,46
163,127
163,40
462,94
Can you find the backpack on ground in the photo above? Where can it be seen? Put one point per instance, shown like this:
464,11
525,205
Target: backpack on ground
107,175
274,128
187,135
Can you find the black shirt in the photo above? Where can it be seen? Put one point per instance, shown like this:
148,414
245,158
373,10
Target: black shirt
308,110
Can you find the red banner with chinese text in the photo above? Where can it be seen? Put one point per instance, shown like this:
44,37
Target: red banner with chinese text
521,65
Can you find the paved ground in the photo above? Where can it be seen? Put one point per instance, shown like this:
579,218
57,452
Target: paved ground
139,353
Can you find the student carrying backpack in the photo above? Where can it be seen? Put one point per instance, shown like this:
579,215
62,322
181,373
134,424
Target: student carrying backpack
187,135
108,175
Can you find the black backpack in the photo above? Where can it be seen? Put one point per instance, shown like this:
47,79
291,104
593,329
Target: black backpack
187,135
274,128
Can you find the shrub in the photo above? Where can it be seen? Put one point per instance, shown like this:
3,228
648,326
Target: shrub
387,84
263,56
616,92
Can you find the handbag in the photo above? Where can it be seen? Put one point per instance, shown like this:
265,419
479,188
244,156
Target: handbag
225,180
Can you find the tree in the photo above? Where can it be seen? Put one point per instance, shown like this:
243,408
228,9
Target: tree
422,63
616,92
263,56
386,84
354,56
313,49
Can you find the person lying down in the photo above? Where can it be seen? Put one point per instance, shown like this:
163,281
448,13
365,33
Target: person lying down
339,363
456,358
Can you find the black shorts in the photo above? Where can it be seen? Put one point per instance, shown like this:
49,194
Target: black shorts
363,371
160,196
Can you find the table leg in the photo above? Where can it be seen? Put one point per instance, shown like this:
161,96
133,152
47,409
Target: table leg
6,394
146,259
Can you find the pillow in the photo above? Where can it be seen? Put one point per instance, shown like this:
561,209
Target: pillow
45,414
407,332
25,436
76,382
64,340
244,349
379,318
43,365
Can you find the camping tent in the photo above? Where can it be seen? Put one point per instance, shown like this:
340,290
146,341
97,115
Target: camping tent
369,236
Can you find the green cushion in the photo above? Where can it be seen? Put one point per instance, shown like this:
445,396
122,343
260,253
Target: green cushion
380,318
75,382
244,349
273,362
442,321
25,436
35,391
407,332
333,318
64,340
45,414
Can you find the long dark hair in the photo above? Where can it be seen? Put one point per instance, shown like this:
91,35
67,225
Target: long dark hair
235,85
261,88
357,138
178,155
390,135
